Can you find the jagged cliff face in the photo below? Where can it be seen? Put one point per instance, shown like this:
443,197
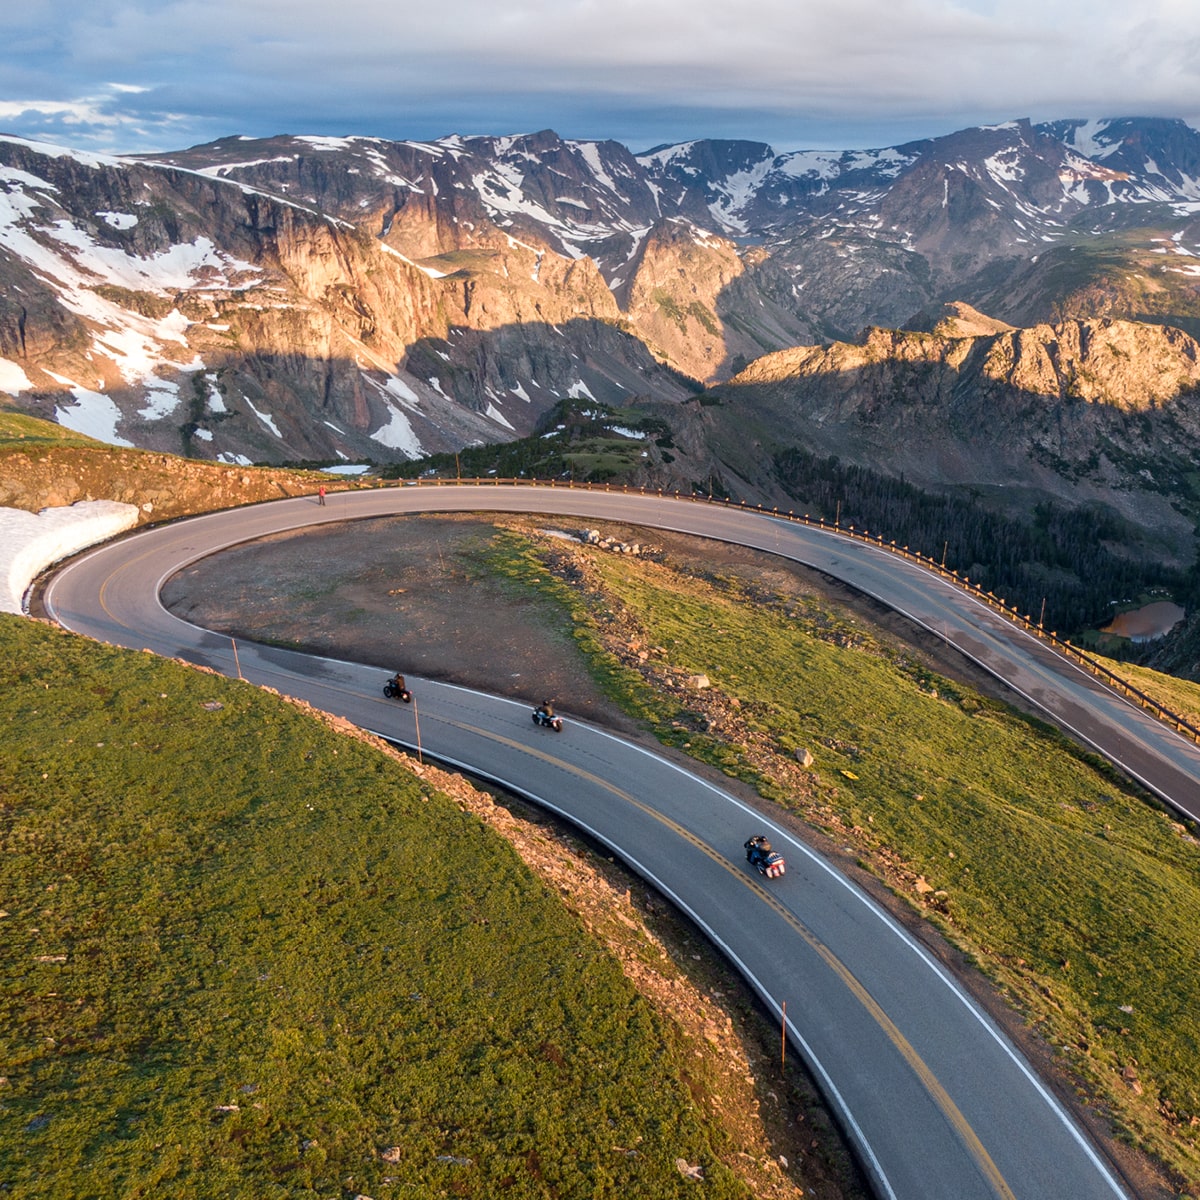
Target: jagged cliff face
166,308
1121,366
1080,411
316,298
678,276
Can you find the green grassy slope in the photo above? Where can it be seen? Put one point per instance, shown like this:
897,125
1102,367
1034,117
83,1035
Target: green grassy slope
244,955
1071,891
1181,696
19,430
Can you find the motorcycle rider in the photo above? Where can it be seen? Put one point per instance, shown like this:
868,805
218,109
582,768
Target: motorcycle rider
397,681
547,709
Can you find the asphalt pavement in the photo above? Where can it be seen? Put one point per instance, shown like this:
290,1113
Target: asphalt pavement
936,1100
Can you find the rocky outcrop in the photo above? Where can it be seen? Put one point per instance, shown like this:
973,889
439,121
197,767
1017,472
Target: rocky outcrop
958,320
161,487
1081,411
1121,365
678,277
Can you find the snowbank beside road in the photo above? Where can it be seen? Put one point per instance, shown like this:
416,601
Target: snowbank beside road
30,542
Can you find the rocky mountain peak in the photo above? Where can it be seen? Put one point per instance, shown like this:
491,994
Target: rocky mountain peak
957,319
304,296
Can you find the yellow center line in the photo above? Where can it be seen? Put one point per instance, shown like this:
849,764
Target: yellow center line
857,989
112,576
106,610
934,1087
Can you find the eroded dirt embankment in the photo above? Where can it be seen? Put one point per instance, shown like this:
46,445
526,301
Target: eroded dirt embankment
162,486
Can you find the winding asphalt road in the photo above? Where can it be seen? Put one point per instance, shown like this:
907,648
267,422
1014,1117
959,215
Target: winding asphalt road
938,1103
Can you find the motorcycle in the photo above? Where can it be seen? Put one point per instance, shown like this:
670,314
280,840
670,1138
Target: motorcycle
763,857
546,720
397,690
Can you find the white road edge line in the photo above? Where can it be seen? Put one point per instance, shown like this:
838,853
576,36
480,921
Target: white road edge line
879,913
837,876
872,1164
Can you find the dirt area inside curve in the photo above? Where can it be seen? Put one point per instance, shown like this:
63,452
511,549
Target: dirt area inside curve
400,593
407,594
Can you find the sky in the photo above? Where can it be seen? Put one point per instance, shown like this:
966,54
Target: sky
129,76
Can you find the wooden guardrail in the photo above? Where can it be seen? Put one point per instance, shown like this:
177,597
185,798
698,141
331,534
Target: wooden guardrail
1010,613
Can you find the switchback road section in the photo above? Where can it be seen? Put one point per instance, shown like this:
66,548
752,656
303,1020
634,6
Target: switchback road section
936,1100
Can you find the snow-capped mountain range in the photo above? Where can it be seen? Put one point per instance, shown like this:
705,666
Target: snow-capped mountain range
312,298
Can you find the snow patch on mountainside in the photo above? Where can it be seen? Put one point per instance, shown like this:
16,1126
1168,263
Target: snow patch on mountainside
500,193
119,220
493,413
327,143
162,399
665,156
832,164
64,251
736,191
810,164
12,378
266,419
399,390
70,256
590,153
135,353
222,169
1088,138
93,414
397,433
1005,167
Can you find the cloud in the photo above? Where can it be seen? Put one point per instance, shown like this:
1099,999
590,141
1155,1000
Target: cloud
795,72
90,122
86,111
